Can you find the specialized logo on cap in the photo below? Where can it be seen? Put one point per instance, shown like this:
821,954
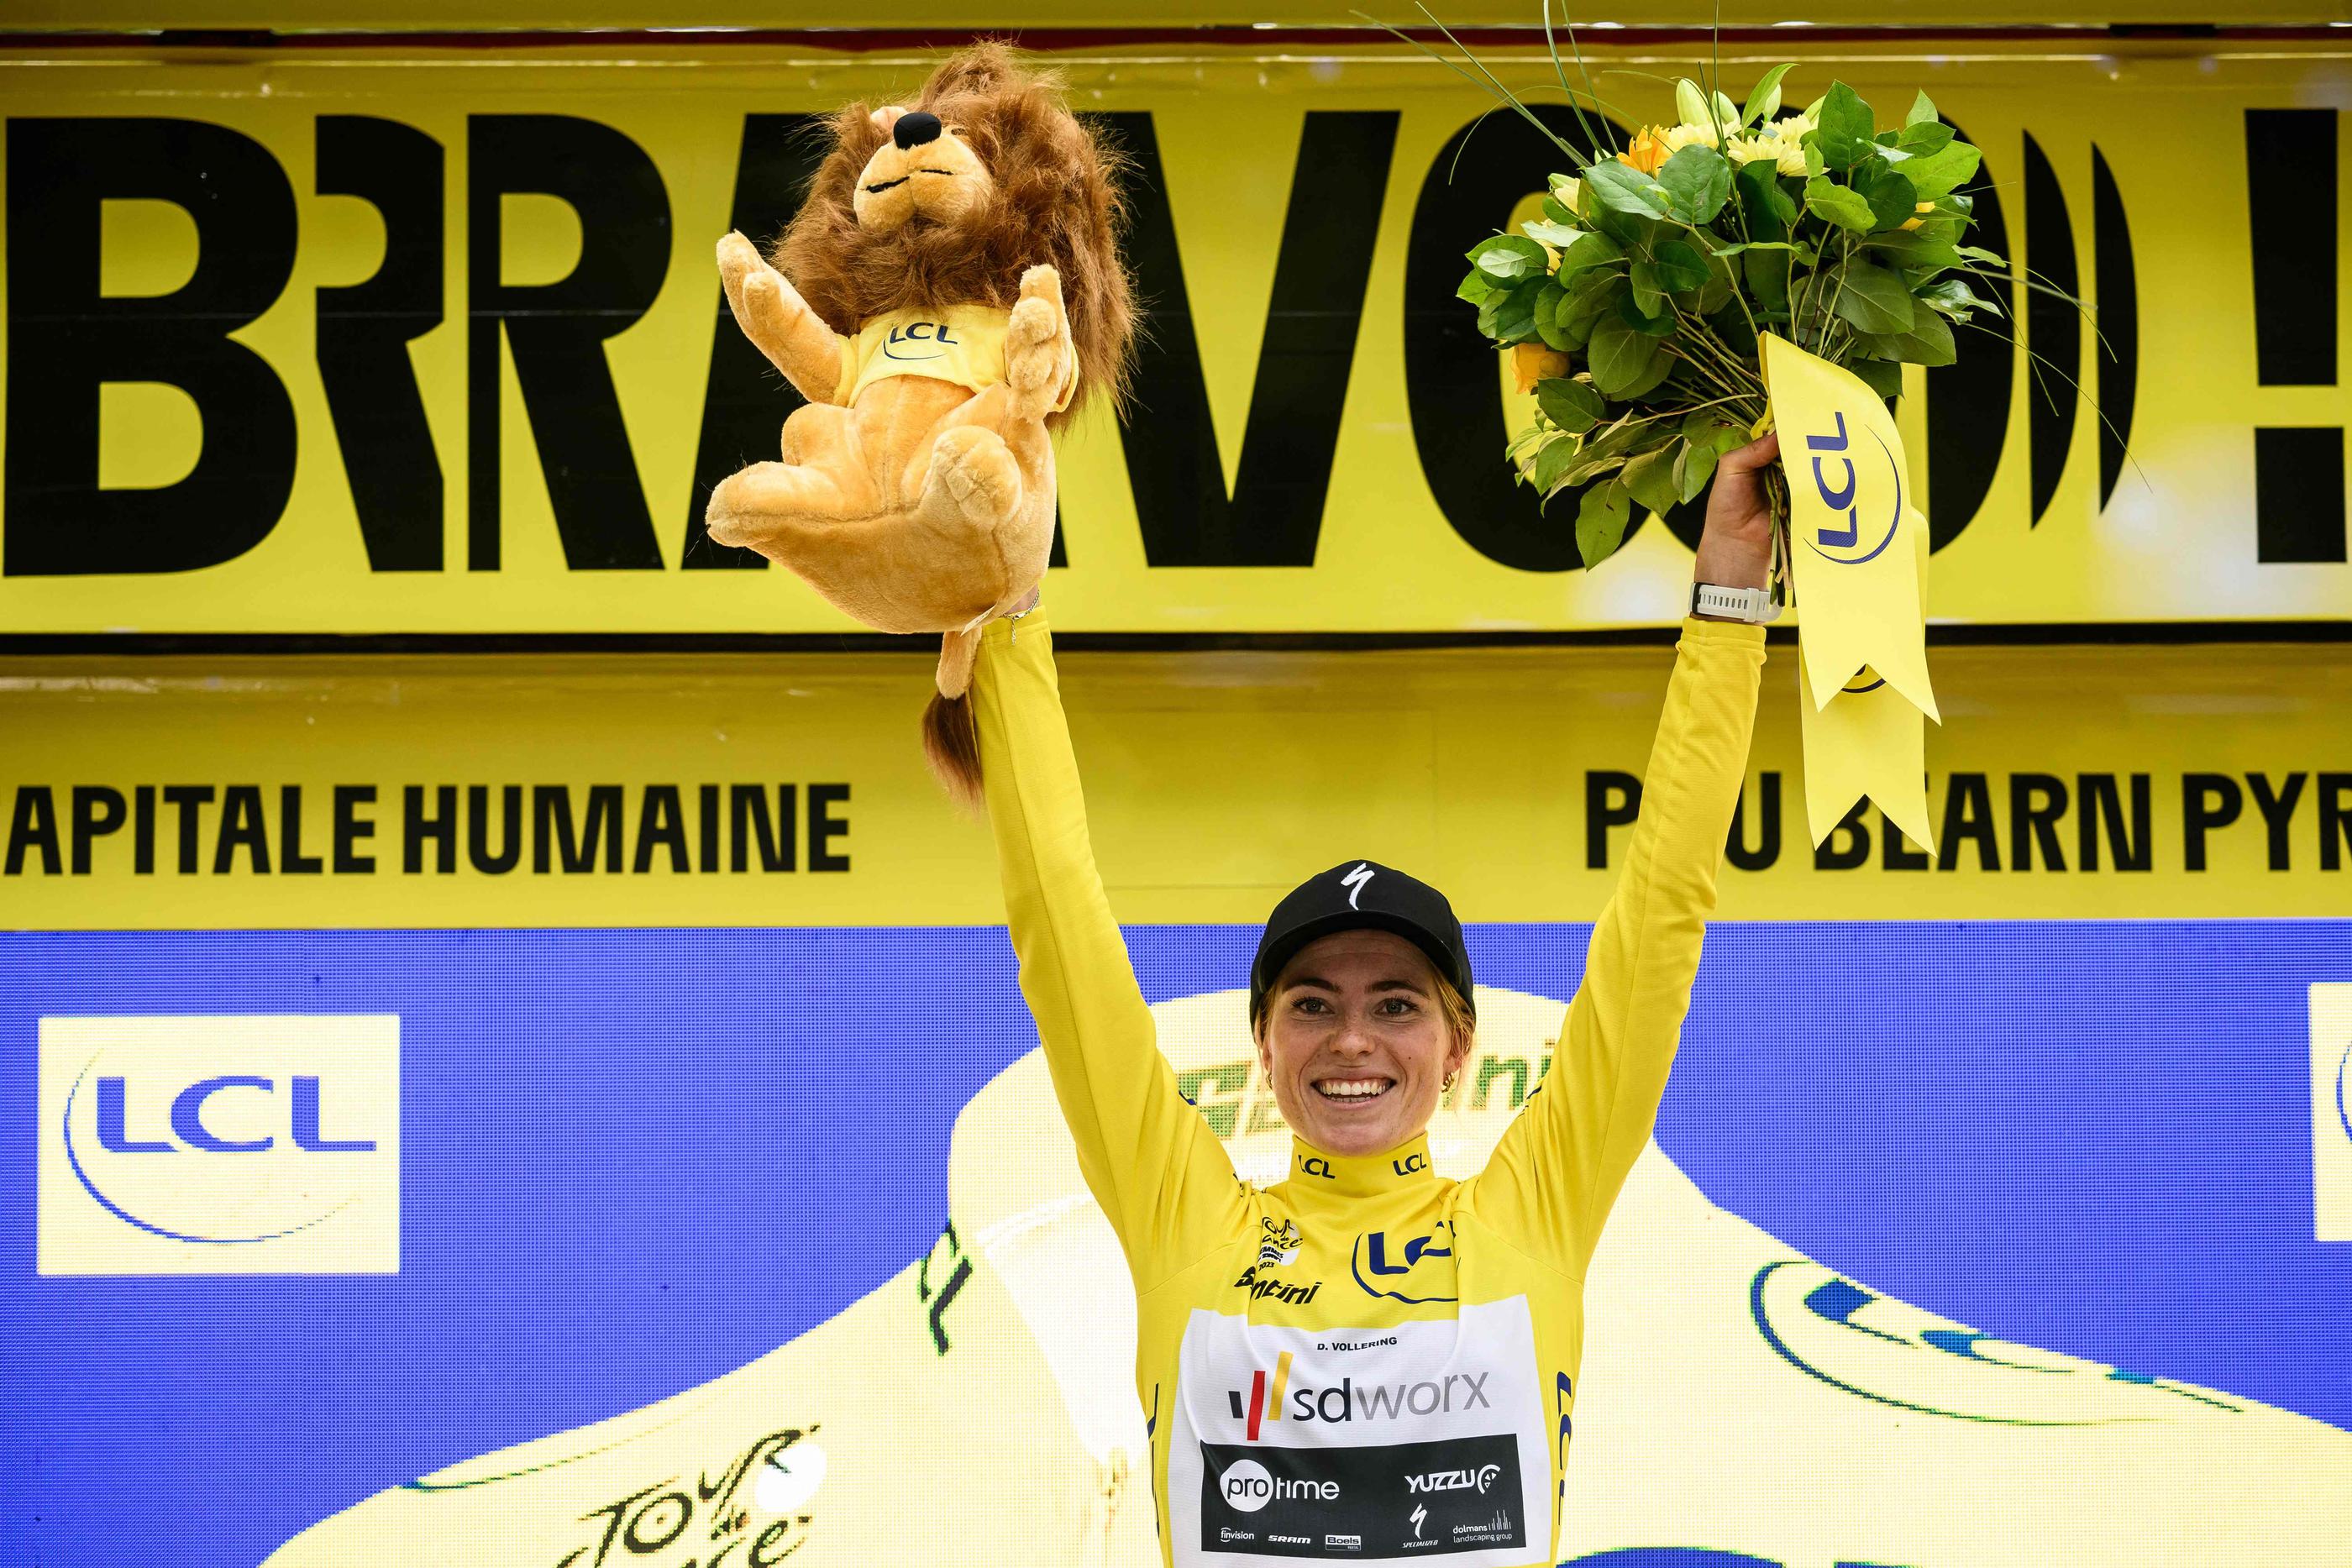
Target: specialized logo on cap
1354,881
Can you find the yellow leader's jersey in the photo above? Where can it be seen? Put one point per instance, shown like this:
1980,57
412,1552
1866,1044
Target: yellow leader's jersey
1364,1362
963,344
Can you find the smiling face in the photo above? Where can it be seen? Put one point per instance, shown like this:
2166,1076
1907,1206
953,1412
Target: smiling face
1356,1042
925,171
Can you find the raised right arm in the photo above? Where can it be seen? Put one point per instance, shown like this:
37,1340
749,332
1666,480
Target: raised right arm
1150,1158
779,321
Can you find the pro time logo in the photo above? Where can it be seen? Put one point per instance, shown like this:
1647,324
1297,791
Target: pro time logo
2331,1110
233,1144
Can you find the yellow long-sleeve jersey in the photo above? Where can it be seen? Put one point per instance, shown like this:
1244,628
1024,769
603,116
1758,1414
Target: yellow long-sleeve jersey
1364,1362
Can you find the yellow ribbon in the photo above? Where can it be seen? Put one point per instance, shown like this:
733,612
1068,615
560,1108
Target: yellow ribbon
1858,558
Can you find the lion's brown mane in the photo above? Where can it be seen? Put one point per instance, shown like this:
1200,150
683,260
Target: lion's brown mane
1057,200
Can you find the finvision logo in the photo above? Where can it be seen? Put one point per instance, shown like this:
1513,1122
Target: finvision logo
235,1144
1349,1400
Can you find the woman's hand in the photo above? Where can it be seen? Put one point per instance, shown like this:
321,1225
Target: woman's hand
1028,602
1736,549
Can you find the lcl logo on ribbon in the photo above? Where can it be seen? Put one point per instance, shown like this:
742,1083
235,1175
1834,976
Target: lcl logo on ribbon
1840,495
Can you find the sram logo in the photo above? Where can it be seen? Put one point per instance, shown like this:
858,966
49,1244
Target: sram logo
235,1144
1476,1479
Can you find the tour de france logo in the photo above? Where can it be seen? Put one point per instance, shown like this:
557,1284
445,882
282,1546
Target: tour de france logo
1844,545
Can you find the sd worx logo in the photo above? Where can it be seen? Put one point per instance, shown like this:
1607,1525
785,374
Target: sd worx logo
1347,1400
219,1145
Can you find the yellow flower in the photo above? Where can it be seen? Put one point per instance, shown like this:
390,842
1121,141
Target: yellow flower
1533,363
1648,151
1569,194
1688,135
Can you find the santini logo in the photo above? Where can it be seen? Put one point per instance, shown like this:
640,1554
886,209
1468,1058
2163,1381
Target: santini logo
219,1145
1347,1400
1476,1480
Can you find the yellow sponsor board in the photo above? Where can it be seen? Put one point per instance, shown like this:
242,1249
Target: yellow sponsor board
422,340
787,789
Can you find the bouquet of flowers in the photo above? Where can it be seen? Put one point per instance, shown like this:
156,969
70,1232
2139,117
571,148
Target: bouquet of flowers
1634,307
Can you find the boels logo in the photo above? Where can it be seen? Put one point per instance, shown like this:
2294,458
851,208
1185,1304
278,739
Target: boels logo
243,1145
1838,482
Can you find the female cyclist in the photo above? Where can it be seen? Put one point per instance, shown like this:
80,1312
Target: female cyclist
1367,1361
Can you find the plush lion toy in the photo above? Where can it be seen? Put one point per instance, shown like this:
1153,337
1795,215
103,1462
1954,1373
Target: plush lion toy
948,293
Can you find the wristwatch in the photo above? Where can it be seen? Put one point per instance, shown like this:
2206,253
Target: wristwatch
1753,606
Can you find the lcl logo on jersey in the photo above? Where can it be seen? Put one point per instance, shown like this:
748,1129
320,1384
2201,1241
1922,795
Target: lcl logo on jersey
1387,1263
2331,1110
230,1145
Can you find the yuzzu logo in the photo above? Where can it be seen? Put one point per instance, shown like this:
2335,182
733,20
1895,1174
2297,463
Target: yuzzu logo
238,1145
1840,483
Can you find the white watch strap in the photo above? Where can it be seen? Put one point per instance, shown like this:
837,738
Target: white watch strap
1754,605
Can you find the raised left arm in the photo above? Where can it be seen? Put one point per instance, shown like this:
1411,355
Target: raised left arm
1557,1168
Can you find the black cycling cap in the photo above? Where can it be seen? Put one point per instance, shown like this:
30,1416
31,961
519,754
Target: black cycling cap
1356,896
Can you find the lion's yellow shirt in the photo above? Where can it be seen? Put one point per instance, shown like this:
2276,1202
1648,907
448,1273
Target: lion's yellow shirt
963,344
1366,1361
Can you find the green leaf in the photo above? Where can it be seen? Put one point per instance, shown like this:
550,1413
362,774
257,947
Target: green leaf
1694,466
1619,355
1884,377
1660,369
1769,209
1629,309
1845,129
1871,298
1559,236
1591,296
1765,96
1556,211
1939,173
1601,517
1552,462
1649,293
1952,296
1705,427
1680,267
1892,199
1590,250
1650,478
1698,178
1511,317
1841,205
1923,110
1930,136
1766,273
1510,258
1476,288
1621,187
1571,404
1929,342
1547,304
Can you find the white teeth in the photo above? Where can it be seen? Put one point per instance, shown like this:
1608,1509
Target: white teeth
1352,1087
